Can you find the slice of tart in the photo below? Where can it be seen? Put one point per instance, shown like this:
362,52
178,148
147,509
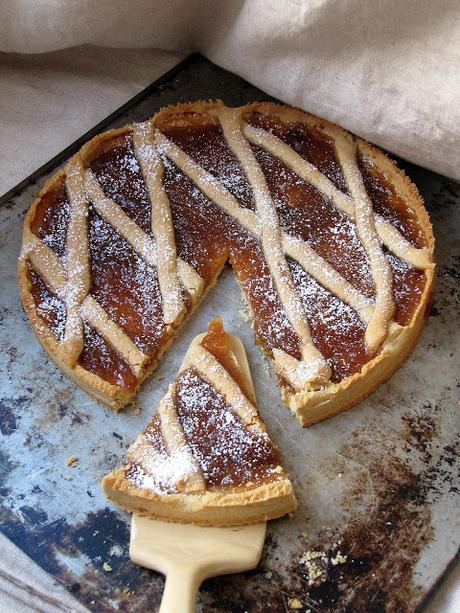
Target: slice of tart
206,458
329,240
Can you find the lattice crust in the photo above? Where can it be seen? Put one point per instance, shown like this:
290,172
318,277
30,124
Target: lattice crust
306,376
163,478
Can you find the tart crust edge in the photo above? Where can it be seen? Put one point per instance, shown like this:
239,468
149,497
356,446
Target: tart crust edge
264,502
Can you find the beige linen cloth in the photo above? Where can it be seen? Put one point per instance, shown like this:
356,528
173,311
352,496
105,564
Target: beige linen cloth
387,70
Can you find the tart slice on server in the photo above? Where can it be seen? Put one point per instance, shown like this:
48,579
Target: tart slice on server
206,457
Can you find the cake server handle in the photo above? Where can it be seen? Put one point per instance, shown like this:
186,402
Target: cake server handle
181,589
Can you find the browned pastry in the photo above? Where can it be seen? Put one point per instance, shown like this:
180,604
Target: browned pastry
329,240
205,458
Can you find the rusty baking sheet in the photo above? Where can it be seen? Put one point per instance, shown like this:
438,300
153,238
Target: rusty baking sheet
378,487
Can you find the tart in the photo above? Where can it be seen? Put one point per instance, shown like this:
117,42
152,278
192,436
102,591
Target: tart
329,240
205,458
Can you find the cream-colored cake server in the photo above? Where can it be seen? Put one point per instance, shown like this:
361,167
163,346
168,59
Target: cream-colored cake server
189,554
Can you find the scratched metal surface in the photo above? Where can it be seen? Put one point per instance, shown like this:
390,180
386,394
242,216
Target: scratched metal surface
377,486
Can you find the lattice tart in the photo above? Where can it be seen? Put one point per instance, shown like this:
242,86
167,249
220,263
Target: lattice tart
206,458
328,238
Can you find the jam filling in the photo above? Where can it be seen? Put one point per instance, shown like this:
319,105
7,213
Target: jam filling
125,286
335,327
228,453
388,203
99,357
408,286
49,307
120,175
218,342
52,219
271,325
155,437
200,226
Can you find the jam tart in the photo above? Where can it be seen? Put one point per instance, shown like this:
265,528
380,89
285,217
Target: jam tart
205,458
329,240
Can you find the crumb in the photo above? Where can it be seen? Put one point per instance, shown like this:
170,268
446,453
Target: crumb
294,603
116,550
126,591
72,460
137,411
106,566
311,555
338,559
68,478
160,378
314,562
268,575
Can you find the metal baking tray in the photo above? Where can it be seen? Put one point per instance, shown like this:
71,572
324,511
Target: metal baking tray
379,514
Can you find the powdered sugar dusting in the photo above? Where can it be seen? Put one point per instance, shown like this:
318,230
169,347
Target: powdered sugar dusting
228,453
51,221
271,322
125,286
306,213
100,357
119,173
156,471
312,145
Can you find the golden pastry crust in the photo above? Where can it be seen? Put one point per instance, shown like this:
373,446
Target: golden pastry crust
248,506
309,404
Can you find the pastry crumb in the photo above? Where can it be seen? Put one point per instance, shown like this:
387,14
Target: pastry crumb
316,564
137,411
106,566
72,460
294,603
338,559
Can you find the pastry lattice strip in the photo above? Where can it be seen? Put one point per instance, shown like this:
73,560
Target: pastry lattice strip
49,266
77,264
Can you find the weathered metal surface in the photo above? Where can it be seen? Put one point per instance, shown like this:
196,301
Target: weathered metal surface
378,486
